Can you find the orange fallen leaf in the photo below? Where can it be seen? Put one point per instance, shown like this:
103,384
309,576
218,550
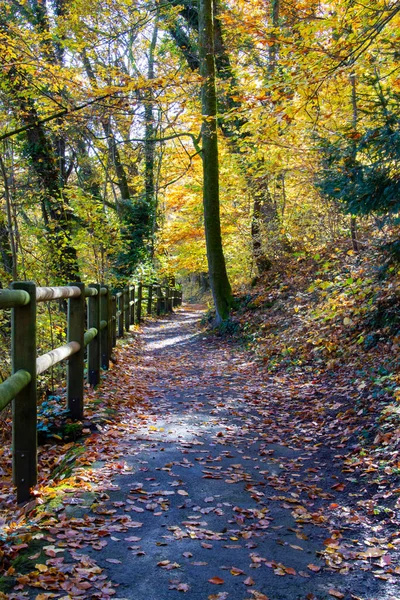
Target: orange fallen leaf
216,580
339,487
314,568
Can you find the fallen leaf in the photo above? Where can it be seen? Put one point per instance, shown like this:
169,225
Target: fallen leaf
372,553
335,593
236,572
216,580
115,561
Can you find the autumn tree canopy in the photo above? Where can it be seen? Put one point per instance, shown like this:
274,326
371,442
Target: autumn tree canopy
101,156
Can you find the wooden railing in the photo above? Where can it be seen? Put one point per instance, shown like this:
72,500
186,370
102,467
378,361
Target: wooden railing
107,316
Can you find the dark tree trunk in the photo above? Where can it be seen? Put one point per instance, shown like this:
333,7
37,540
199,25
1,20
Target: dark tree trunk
219,281
353,218
63,263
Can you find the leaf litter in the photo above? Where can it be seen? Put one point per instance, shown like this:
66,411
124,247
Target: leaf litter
275,440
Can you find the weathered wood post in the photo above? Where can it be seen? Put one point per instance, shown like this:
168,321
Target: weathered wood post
112,303
166,300
139,303
23,351
126,309
120,314
75,368
105,327
150,300
94,346
132,305
159,300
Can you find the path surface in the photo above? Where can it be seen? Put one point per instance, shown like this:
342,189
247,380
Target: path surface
214,489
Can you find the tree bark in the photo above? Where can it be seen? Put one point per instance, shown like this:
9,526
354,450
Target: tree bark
7,240
149,145
220,286
353,218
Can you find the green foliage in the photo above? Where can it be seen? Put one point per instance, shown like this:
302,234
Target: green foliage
136,234
363,172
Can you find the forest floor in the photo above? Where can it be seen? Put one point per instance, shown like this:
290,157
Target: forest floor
202,473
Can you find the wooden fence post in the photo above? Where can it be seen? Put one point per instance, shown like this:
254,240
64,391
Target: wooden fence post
150,300
94,346
159,300
126,309
120,313
23,350
106,331
167,299
132,305
75,368
139,303
113,301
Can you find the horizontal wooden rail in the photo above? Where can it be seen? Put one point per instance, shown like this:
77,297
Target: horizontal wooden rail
57,293
89,335
44,362
12,386
107,316
12,298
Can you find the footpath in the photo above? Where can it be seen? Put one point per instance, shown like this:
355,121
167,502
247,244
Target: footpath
207,482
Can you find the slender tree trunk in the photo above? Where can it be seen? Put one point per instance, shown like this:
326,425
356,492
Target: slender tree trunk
353,218
56,216
219,281
122,179
149,144
7,239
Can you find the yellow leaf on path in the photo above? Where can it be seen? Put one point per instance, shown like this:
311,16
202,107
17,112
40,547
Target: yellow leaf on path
235,571
372,553
42,568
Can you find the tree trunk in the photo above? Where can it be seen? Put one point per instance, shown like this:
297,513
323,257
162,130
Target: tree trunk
7,239
353,218
56,215
219,281
149,144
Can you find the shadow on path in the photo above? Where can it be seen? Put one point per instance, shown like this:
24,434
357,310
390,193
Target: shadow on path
204,481
221,509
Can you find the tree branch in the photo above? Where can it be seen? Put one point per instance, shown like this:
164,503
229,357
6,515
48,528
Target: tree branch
57,115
